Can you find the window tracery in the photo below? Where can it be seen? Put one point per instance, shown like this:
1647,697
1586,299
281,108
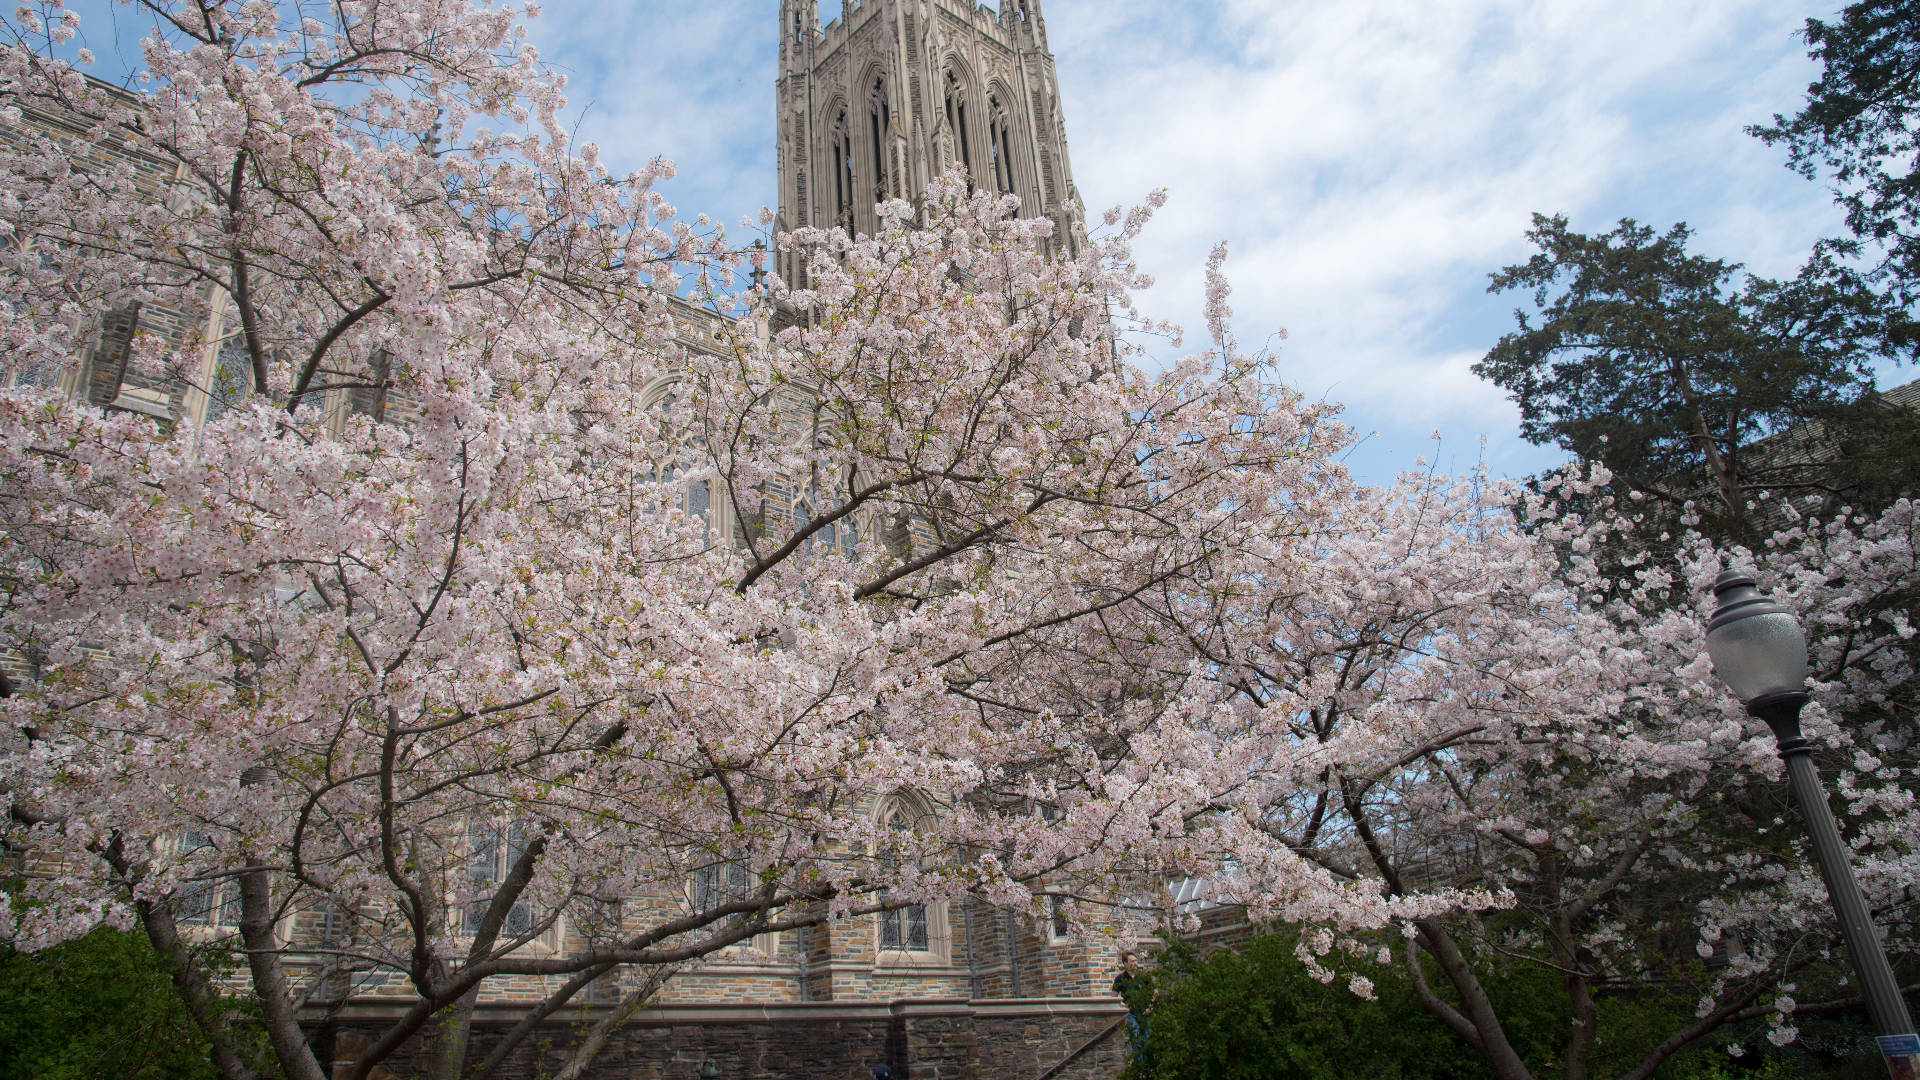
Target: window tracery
492,849
726,882
957,120
1000,147
843,172
880,121
210,902
841,536
903,928
685,472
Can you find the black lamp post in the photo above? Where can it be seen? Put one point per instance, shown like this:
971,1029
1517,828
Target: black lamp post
1758,648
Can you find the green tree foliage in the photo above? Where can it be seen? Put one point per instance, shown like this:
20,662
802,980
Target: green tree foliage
1254,1012
1668,367
1861,125
95,1007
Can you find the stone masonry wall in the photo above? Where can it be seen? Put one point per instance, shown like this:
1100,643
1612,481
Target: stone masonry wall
922,1040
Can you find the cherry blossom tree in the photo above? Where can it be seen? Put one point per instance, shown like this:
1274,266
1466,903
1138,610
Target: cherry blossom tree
1439,700
489,632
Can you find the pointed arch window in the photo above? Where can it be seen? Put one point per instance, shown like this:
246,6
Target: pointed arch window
842,536
731,880
209,902
684,469
1000,147
492,849
957,120
725,882
880,120
232,378
903,928
843,172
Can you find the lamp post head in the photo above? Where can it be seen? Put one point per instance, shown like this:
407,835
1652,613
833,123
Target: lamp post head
708,1070
1757,646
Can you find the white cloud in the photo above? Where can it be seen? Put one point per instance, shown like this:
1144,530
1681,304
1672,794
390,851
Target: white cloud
1369,161
689,82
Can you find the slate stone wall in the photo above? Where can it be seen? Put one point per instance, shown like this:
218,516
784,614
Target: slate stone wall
922,1040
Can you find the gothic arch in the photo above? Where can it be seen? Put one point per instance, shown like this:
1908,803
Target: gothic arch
1006,155
915,806
699,495
914,933
839,173
655,389
960,106
877,117
841,536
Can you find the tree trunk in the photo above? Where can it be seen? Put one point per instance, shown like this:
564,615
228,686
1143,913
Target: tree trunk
270,980
604,1028
455,1031
1500,1054
202,1001
156,918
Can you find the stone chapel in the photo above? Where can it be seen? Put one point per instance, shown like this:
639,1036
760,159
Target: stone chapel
891,94
871,106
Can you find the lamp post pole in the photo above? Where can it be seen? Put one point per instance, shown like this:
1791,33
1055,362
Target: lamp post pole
1760,650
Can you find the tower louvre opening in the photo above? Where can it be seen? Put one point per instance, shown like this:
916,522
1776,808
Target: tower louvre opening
887,56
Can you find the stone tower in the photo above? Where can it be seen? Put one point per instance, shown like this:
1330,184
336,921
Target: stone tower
880,101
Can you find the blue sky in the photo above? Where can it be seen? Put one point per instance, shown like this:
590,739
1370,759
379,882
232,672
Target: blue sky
1368,161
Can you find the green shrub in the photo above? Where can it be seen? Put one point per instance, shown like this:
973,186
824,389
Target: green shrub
96,1007
1254,1013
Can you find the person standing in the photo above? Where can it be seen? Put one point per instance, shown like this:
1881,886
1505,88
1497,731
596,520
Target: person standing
1134,988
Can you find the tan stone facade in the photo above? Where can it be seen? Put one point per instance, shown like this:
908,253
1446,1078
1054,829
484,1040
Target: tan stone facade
880,101
106,376
877,103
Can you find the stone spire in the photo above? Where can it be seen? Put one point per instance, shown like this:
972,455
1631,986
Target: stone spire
878,102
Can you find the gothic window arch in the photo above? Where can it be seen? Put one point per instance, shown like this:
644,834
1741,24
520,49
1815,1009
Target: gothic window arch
1000,145
491,850
880,128
819,499
210,902
24,256
844,173
724,881
231,379
683,468
956,95
727,881
911,928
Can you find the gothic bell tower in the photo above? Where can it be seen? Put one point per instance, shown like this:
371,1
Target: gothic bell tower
878,102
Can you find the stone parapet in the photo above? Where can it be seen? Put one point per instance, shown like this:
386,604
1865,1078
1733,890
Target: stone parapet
925,1039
